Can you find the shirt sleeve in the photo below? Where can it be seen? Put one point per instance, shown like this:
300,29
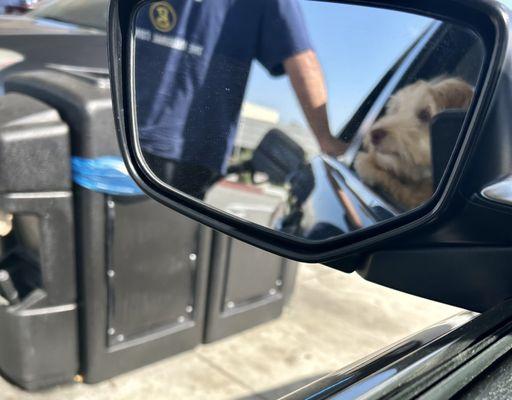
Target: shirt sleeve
283,34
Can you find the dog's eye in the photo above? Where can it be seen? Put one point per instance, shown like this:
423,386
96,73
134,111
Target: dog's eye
424,115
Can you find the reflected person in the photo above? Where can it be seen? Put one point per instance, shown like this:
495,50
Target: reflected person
192,63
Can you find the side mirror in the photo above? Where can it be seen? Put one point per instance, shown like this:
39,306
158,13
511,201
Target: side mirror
395,99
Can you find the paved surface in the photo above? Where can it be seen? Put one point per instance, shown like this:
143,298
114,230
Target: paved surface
333,319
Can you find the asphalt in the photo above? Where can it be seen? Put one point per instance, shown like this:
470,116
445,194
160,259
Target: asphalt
333,320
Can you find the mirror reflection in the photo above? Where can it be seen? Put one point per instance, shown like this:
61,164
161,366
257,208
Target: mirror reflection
314,119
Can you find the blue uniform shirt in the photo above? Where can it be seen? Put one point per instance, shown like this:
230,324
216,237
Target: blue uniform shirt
193,59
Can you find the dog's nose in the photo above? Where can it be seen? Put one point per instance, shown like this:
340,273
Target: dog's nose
378,135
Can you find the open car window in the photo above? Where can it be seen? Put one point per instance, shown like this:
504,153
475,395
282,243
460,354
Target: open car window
444,50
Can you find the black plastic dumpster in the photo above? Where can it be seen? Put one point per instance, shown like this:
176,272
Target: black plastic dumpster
39,324
151,283
142,270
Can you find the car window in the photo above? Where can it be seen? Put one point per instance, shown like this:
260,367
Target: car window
449,51
453,51
87,13
437,58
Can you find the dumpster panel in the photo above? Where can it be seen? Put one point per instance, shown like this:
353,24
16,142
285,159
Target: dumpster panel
247,287
151,248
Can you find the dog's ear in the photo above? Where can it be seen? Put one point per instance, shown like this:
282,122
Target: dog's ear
452,93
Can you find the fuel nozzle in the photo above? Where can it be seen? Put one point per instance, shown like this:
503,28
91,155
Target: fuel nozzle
7,289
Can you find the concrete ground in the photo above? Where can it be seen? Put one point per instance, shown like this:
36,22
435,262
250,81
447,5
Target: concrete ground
332,320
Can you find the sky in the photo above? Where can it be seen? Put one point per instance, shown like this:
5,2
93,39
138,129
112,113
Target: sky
356,46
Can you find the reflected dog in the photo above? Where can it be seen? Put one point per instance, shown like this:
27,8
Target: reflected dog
398,149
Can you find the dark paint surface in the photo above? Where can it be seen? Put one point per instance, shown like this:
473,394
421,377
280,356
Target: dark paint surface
355,380
327,199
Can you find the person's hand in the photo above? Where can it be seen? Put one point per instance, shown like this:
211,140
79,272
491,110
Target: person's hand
333,147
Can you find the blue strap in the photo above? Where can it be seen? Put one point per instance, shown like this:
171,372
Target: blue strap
104,175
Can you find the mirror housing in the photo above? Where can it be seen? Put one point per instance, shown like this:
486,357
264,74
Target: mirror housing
436,223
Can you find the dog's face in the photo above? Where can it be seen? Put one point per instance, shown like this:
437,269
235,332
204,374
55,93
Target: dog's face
400,140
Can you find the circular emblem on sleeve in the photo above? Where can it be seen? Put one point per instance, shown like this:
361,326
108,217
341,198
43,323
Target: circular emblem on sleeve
163,16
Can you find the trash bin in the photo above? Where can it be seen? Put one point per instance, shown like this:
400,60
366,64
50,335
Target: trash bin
248,287
38,323
142,269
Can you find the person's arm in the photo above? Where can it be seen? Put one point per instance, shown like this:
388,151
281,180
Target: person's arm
308,82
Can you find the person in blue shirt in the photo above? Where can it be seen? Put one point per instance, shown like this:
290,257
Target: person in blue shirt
193,59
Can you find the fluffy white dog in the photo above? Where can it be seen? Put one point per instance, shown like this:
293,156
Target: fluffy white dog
398,153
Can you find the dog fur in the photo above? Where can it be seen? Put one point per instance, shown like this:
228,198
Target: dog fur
398,159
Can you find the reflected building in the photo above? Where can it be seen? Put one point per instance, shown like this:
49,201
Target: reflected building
257,120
